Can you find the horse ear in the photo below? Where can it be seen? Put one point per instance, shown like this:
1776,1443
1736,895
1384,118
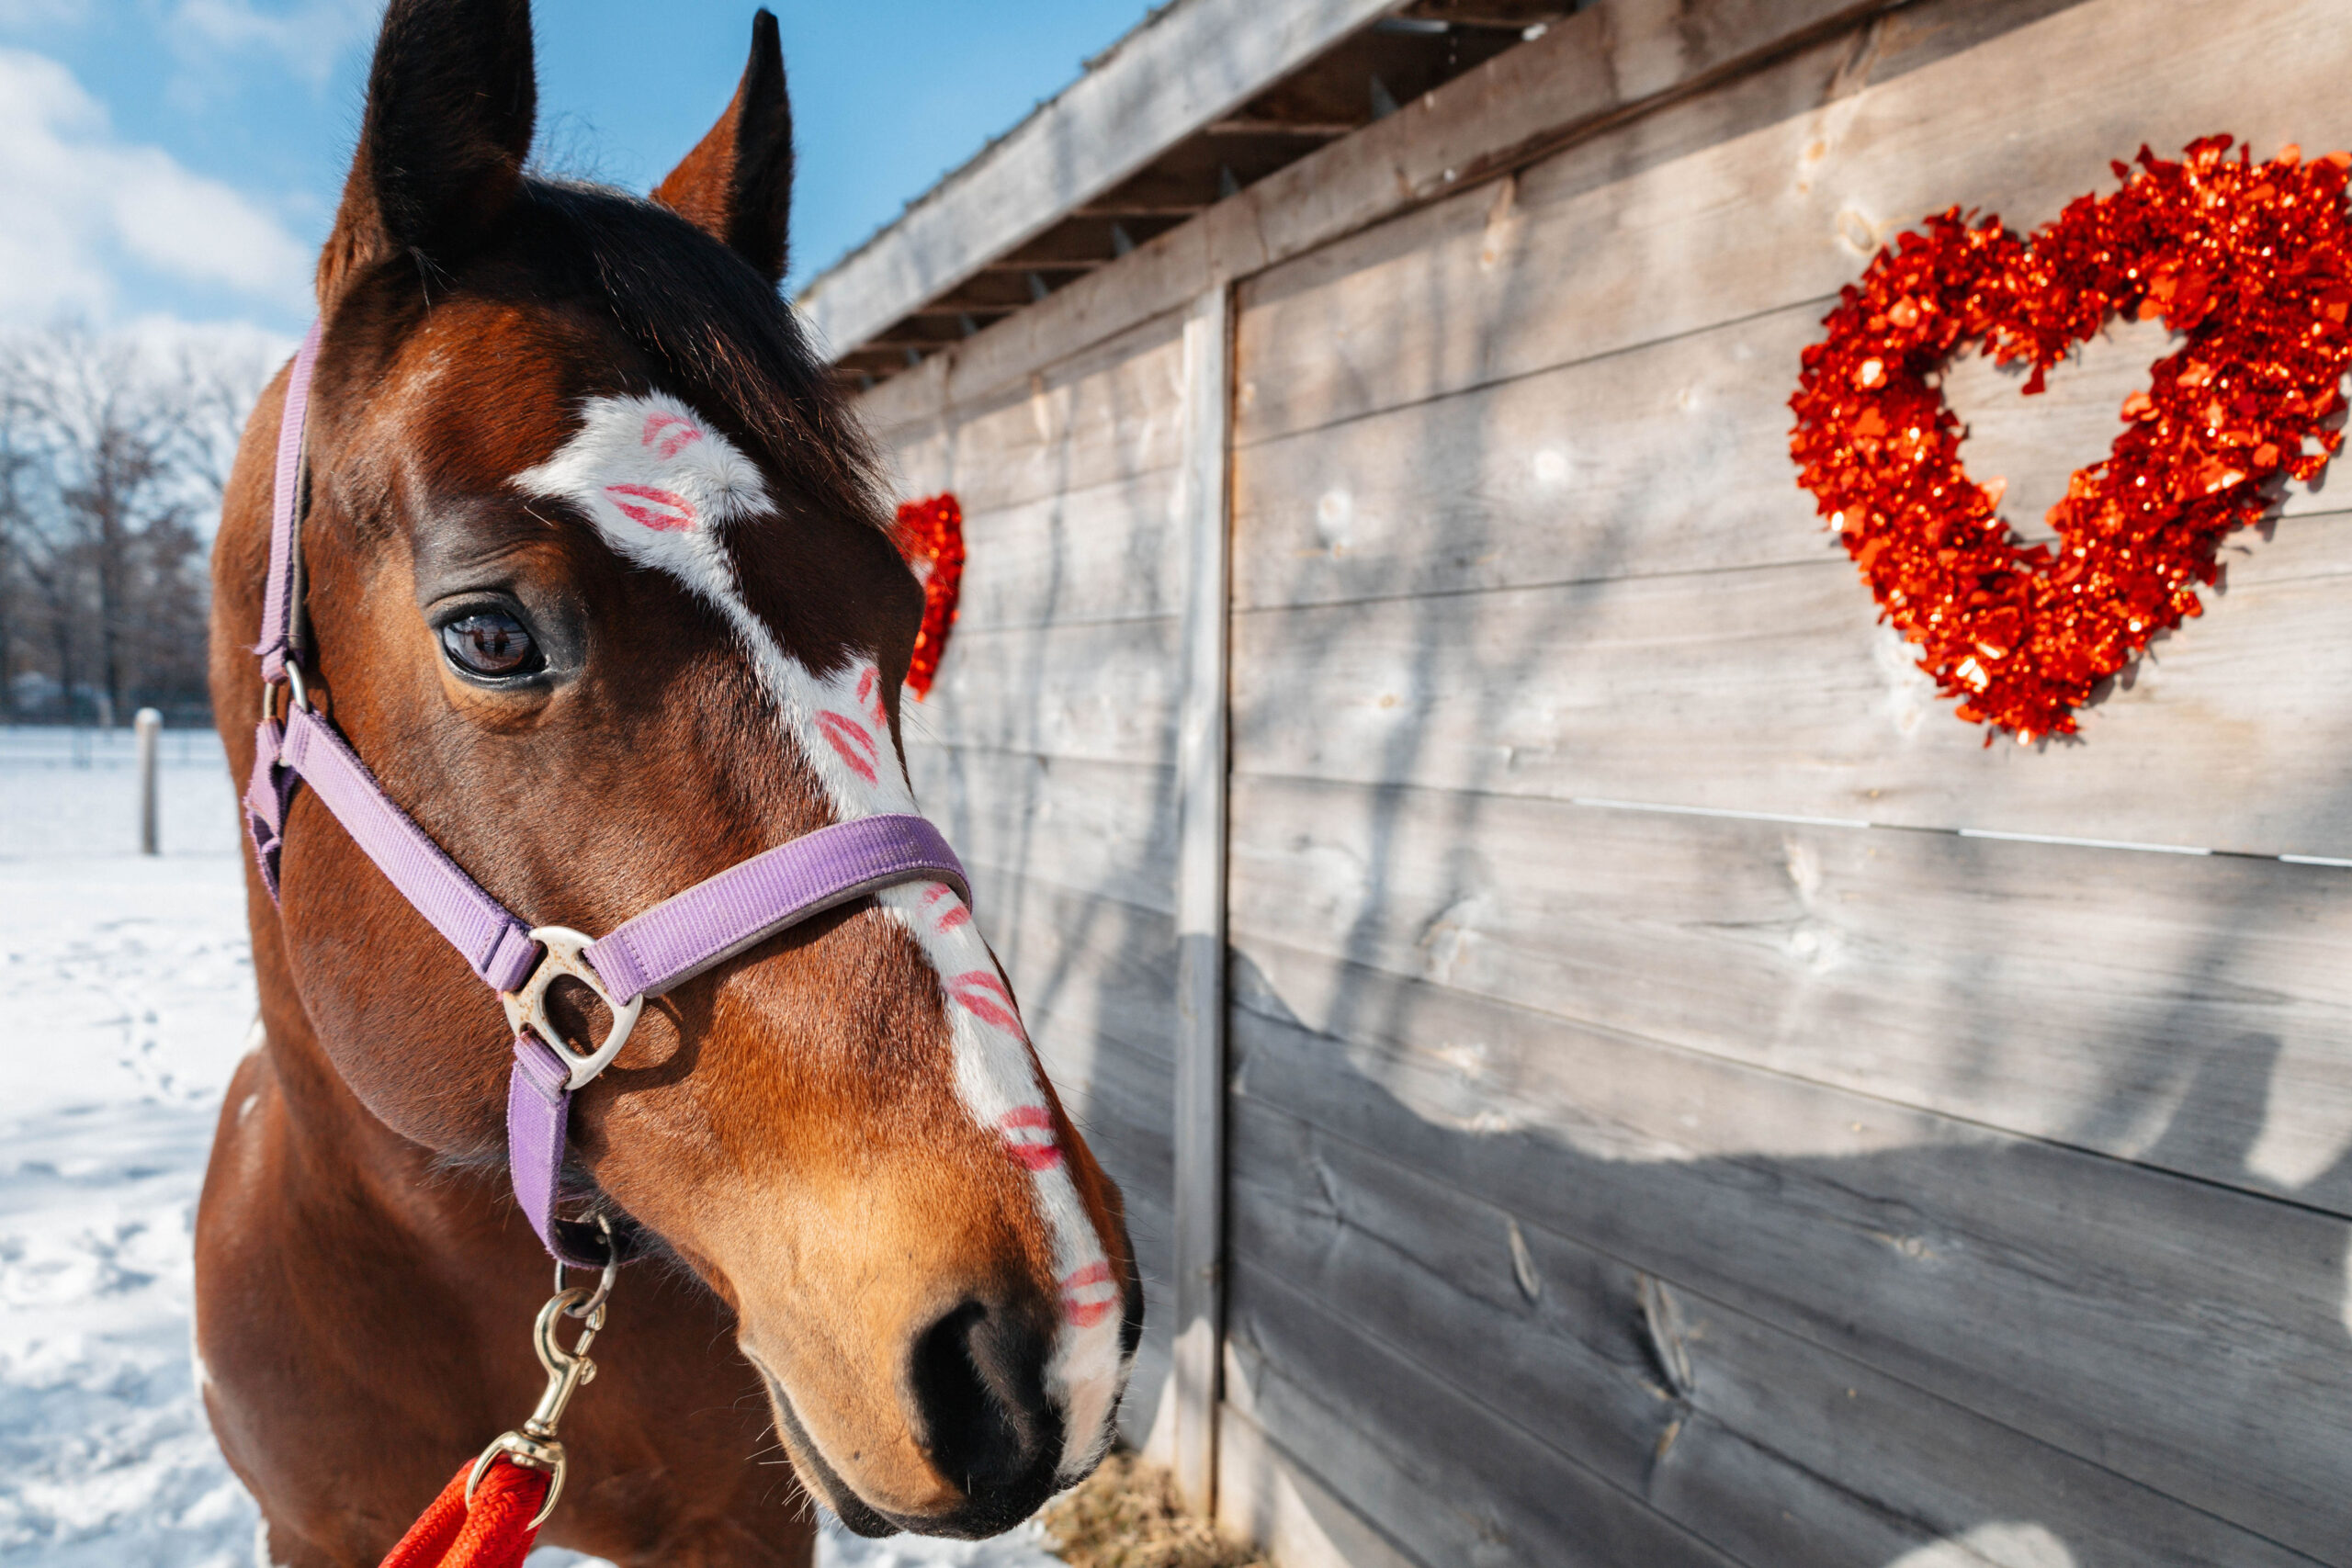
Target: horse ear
737,182
451,99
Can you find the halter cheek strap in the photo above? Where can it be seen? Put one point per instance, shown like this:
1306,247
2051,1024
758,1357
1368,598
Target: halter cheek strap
644,957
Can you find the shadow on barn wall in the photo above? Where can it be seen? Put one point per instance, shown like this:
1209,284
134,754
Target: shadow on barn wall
1477,1294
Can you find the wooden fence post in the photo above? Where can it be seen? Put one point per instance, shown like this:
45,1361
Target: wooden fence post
1202,512
149,728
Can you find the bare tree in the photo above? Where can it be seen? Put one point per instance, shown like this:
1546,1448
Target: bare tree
17,481
112,460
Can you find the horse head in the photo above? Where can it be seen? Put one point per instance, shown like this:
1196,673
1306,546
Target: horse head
600,584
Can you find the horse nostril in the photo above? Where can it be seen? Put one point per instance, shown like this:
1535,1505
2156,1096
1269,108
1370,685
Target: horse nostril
978,1379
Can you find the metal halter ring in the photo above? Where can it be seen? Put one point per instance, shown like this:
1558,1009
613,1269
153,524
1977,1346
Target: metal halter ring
528,1007
296,689
593,1307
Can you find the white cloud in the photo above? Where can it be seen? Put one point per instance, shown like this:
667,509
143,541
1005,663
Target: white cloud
308,37
80,201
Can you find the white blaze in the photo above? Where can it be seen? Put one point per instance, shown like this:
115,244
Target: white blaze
663,487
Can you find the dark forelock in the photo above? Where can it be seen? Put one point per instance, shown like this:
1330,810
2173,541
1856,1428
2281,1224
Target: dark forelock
714,330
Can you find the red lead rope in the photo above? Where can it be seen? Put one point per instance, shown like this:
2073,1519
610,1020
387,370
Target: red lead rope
493,1531
521,1474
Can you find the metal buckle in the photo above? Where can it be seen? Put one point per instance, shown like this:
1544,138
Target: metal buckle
534,1445
529,1004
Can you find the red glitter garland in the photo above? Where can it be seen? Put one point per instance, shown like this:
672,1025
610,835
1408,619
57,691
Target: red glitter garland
931,535
2252,261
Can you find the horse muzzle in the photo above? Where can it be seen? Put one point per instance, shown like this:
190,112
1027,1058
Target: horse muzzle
971,1386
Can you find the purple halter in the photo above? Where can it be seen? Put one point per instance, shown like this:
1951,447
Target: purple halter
675,939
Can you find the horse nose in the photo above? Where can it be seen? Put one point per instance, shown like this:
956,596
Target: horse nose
977,1376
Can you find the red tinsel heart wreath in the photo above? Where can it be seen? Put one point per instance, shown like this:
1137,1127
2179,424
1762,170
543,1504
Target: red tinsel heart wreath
931,535
2251,261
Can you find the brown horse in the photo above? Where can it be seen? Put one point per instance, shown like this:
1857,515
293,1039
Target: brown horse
597,562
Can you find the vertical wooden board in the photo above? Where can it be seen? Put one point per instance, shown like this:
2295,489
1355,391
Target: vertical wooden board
1108,553
1770,1448
1085,691
1652,230
1774,690
2186,1336
1109,414
1201,769
2190,1012
1436,1470
1103,828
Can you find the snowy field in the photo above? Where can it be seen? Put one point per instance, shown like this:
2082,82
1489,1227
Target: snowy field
128,989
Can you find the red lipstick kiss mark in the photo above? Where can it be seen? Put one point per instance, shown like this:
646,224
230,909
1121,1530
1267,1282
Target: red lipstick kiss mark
850,738
1089,1294
669,434
984,996
955,915
664,512
870,696
1029,1137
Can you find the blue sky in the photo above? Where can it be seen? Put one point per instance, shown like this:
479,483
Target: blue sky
170,162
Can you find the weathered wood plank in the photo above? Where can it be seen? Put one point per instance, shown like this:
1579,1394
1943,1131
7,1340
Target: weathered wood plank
1103,828
1092,691
1614,58
1181,68
1297,1521
1671,457
1639,235
1117,1096
2184,1335
1767,1446
1104,967
2188,1012
1106,412
1426,1462
1773,689
1102,554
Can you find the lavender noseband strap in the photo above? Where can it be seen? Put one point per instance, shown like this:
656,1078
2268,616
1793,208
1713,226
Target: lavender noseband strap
672,941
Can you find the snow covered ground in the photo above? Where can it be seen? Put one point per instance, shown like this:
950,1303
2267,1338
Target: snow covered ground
127,990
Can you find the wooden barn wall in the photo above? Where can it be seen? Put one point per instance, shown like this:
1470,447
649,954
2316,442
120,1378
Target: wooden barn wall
1046,748
1683,1108
1803,1183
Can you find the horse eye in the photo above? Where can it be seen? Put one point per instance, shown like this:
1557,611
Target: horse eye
491,642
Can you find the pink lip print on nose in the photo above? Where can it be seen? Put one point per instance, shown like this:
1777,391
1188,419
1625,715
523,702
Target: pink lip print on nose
664,512
850,738
984,996
1089,1294
669,434
1029,1137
